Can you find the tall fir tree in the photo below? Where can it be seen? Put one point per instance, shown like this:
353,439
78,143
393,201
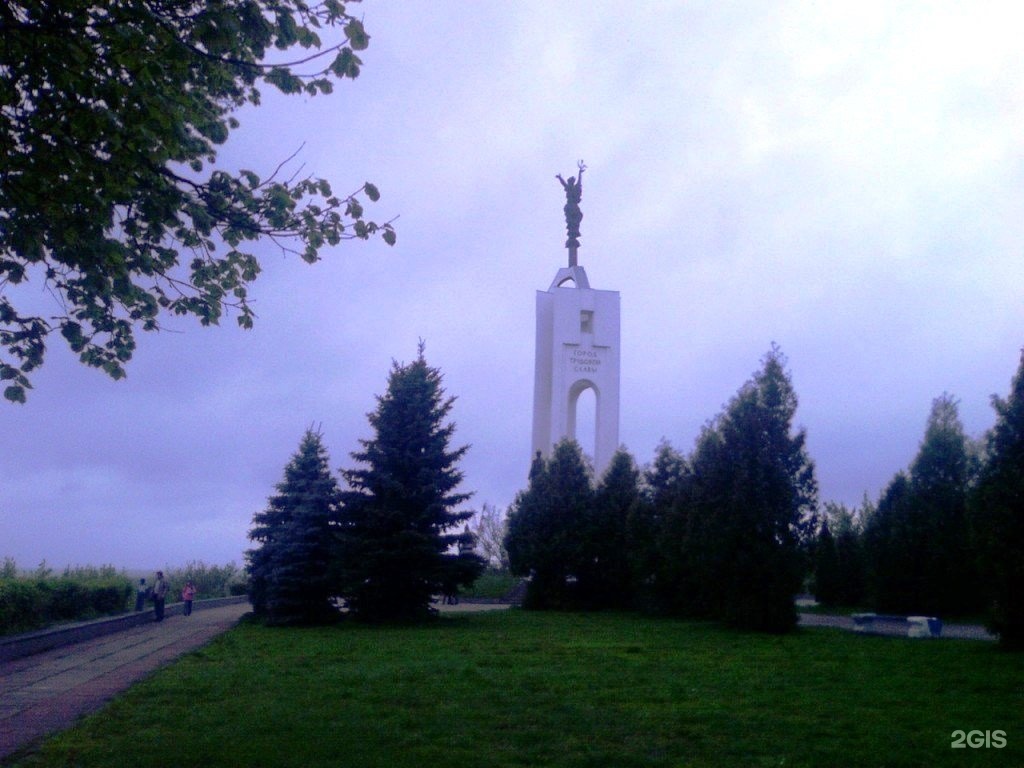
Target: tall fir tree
997,517
755,494
887,551
697,527
917,542
940,479
289,570
828,583
658,535
396,542
546,524
838,558
605,579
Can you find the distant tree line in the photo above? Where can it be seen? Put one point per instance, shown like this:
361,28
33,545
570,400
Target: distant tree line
946,537
388,543
731,532
734,530
719,534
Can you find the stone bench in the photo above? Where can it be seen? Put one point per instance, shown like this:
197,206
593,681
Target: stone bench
912,626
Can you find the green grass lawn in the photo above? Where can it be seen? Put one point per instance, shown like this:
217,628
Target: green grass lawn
514,688
491,585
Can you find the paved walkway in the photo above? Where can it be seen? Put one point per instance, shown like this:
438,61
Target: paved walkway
49,691
951,631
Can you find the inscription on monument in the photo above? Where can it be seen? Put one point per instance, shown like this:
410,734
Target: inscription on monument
584,360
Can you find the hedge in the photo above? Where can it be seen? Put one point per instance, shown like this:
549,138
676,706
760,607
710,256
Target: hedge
27,604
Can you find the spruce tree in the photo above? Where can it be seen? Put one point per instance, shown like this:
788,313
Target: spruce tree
754,495
828,585
604,578
657,532
940,478
526,535
888,554
838,558
289,570
997,517
697,526
846,531
546,524
918,542
397,550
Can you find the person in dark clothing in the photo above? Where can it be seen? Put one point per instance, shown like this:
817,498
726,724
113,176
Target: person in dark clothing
160,590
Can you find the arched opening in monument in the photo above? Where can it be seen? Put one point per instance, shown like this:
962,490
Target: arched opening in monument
567,283
583,417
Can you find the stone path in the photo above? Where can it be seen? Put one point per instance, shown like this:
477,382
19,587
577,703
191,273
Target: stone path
49,691
468,606
953,631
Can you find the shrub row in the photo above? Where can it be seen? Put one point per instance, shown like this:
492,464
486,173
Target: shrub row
210,580
27,604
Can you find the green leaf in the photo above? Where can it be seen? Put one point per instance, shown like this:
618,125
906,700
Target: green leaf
15,394
371,192
343,63
287,32
357,36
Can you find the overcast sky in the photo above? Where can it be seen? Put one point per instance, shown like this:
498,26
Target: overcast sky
845,179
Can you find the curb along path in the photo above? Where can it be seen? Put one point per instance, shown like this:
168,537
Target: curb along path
49,691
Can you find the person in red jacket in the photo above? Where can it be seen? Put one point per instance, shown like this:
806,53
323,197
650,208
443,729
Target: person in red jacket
188,594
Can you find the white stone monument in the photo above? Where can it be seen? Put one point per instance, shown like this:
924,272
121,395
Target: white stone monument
577,350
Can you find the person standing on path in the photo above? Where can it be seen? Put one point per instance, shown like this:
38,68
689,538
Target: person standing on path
140,595
188,594
160,590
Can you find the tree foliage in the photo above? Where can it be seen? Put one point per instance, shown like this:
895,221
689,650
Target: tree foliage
917,541
838,559
717,535
749,511
941,477
884,536
997,517
827,574
395,538
605,579
546,524
110,119
489,528
290,568
656,533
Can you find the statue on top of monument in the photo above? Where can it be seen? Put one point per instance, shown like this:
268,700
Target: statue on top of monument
573,215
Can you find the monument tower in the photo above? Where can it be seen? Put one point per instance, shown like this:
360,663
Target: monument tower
577,349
